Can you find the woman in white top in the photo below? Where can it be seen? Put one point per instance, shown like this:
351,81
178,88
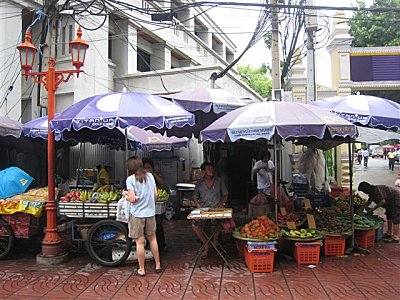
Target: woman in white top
142,194
264,169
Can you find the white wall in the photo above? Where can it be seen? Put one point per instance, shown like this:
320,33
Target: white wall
10,37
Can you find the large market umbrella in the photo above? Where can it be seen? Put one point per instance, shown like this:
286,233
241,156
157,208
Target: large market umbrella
114,138
285,120
146,139
10,127
122,110
279,120
364,110
207,105
37,128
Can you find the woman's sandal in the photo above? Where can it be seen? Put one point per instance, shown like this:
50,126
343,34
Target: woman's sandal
136,272
158,271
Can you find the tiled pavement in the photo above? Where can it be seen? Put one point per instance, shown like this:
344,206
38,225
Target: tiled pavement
374,276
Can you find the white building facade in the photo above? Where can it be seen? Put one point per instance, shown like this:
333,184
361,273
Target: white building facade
127,51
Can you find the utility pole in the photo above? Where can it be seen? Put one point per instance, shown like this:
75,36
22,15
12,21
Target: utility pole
311,25
276,72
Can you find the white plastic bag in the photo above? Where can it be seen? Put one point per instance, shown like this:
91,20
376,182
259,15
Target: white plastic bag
123,210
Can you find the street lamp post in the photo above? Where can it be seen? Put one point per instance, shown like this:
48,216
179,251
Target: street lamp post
51,79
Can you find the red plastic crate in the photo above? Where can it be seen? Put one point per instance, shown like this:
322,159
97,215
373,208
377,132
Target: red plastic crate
365,238
307,253
334,245
259,261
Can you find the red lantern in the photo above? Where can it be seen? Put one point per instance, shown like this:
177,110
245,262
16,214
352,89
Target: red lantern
78,50
27,52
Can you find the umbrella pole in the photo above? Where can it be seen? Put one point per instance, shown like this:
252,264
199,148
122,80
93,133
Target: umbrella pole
352,244
79,164
126,151
276,181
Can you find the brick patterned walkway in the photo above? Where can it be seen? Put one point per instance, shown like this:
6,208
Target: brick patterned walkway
376,276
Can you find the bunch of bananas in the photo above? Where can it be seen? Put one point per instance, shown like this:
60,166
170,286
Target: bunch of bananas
162,195
106,197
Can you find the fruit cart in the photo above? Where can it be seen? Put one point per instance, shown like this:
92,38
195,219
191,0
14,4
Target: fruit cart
94,223
21,217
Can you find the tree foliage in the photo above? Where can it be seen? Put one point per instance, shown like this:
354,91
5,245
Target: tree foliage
257,78
375,29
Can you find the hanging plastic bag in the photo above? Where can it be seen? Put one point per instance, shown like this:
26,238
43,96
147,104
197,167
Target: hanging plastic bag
123,207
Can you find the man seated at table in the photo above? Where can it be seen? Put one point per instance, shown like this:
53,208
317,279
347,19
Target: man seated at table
210,191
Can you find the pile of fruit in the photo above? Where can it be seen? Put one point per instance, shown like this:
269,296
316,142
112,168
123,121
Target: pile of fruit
367,222
329,223
302,233
291,217
162,195
90,196
261,228
343,203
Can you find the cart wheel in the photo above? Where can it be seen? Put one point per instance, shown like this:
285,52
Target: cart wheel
108,243
6,238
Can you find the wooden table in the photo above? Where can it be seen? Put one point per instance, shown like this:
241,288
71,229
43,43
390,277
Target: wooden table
211,214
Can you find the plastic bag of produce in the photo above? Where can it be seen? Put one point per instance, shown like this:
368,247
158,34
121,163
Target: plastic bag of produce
13,181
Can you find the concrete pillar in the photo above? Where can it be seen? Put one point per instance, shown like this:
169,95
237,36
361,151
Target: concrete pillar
161,57
297,80
339,49
10,37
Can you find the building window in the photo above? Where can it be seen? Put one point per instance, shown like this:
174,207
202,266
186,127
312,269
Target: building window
63,41
70,36
110,42
143,61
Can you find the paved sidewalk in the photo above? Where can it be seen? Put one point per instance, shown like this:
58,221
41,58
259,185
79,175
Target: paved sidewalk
376,276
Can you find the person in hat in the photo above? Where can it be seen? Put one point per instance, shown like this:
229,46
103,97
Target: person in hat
389,198
104,174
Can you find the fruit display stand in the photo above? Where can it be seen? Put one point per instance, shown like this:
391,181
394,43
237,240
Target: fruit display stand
93,225
22,217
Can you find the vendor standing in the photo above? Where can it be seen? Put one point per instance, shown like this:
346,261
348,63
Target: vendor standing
264,168
104,174
211,192
388,198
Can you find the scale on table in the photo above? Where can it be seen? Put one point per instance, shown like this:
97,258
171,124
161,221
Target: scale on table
184,192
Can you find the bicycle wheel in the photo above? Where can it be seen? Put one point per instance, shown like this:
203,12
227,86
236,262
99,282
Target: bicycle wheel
6,238
108,243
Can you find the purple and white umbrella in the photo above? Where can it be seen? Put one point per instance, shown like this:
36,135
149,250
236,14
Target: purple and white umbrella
114,138
287,120
37,128
207,100
10,127
122,110
363,110
207,105
146,139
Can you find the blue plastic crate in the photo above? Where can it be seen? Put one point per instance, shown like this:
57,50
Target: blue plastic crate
378,234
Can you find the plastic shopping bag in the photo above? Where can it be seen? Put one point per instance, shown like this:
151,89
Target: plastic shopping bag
123,210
